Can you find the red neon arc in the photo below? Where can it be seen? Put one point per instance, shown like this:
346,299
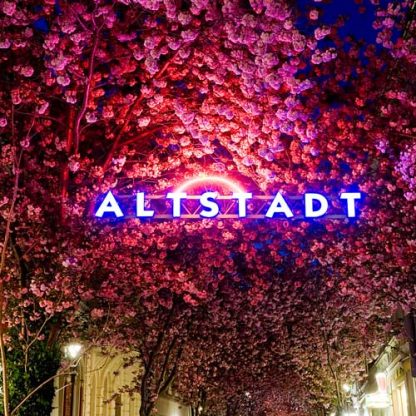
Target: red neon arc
210,179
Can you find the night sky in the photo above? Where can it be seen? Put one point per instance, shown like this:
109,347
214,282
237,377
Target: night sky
358,15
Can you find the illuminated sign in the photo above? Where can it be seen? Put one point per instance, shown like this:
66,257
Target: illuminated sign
377,400
381,379
234,203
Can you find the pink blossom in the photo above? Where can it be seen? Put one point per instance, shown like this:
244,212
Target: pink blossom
189,35
74,164
144,121
184,18
51,41
322,32
314,14
16,99
63,80
5,44
151,65
97,313
91,117
9,8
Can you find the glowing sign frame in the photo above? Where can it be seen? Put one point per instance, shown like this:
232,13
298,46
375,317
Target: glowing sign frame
238,205
210,180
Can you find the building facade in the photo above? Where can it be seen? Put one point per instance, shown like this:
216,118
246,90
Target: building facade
390,389
95,390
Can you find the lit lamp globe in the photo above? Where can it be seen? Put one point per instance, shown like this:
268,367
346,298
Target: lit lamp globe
346,387
73,350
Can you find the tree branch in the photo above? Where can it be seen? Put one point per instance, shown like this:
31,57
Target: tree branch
172,374
165,363
84,105
130,113
141,136
45,116
65,167
36,389
6,239
334,375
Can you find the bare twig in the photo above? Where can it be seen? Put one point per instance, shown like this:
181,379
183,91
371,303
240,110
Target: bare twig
6,239
65,167
17,163
130,113
86,98
14,411
45,116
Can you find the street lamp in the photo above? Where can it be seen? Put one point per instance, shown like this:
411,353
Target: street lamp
72,352
346,387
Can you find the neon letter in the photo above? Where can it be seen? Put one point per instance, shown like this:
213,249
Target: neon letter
176,198
351,197
242,204
140,210
208,201
309,211
279,205
109,204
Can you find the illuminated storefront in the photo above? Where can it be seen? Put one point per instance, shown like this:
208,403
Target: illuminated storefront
390,387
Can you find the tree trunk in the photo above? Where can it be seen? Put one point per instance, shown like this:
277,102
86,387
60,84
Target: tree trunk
146,408
65,166
231,409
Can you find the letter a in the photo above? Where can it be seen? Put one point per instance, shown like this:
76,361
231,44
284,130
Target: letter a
109,204
279,205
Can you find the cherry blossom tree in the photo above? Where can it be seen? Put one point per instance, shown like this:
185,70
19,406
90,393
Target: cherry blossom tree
129,95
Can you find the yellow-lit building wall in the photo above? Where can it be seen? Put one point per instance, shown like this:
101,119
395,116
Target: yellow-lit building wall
96,390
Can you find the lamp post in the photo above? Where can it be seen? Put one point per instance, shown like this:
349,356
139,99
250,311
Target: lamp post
350,405
72,352
1,386
248,396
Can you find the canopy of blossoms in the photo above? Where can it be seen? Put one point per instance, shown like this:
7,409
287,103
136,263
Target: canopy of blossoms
135,95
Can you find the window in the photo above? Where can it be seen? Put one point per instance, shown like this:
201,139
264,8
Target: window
117,406
400,402
380,412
